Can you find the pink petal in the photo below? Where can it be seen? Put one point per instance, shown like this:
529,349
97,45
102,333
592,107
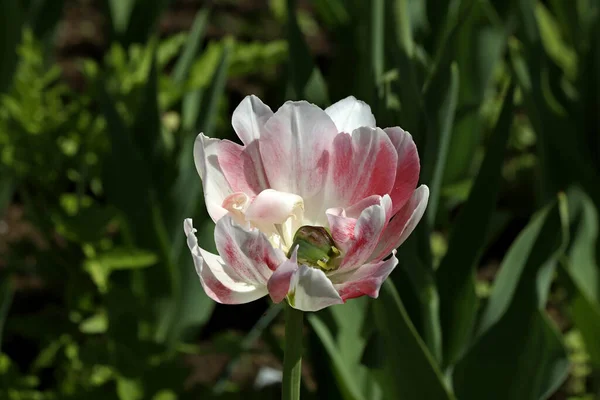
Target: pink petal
295,149
403,223
365,280
363,165
249,118
407,169
221,283
279,283
247,252
359,243
349,114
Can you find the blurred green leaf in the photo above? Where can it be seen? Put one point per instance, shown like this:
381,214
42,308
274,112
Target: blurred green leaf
97,323
120,12
455,275
6,297
444,112
11,23
306,79
193,307
582,270
126,258
409,371
182,67
341,336
515,338
129,389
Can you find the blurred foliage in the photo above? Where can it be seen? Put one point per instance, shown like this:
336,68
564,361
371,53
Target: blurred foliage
498,291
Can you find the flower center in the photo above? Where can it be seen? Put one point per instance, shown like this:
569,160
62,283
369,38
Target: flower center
316,248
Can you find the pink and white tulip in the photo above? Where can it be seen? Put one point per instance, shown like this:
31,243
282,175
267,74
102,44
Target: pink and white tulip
304,166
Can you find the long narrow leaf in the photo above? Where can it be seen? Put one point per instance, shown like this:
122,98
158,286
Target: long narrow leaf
515,337
409,371
455,275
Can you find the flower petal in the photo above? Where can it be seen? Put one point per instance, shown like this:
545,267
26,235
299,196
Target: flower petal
402,224
247,252
359,243
311,290
220,282
273,207
279,283
349,114
295,149
363,164
249,118
407,168
365,280
226,167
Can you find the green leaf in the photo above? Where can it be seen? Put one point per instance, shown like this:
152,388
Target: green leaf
126,258
442,126
11,23
409,371
455,275
582,254
344,343
120,12
515,338
6,296
306,79
583,274
193,307
184,63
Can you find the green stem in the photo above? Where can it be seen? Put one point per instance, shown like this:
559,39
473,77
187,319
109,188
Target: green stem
292,359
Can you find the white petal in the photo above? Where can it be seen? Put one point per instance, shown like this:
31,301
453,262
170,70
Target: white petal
249,118
273,207
350,113
311,290
295,149
216,188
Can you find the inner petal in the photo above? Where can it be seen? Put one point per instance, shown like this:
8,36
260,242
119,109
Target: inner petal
277,214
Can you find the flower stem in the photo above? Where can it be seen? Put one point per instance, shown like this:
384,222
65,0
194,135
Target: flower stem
292,358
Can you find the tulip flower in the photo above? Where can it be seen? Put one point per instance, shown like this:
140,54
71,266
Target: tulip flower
309,208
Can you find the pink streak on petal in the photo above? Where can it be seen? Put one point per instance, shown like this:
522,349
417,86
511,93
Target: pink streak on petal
247,252
407,169
403,223
279,283
367,231
366,280
363,164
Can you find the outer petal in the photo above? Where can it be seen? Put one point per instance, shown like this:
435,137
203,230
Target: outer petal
295,149
248,253
403,223
365,280
407,168
279,283
249,118
220,282
216,188
360,242
226,167
363,164
311,290
349,114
